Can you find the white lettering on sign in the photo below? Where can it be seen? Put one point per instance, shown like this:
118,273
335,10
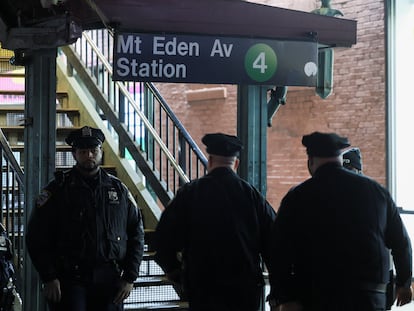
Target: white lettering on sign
172,47
154,69
223,50
131,45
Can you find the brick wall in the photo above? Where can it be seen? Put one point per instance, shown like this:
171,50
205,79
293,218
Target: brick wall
355,109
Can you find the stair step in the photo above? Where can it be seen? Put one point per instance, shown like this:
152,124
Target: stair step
149,256
5,55
12,74
20,108
146,281
22,93
13,114
20,128
154,293
61,148
61,97
108,168
159,306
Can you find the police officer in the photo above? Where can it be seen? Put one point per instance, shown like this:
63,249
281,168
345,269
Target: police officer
220,226
85,234
352,160
332,235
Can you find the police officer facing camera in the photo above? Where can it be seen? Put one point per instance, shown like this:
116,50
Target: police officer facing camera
85,234
332,235
221,226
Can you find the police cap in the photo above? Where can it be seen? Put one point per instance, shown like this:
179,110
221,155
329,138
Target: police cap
85,137
352,157
222,144
324,144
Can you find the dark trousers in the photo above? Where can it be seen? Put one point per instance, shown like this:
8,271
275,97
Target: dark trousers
92,291
350,300
226,299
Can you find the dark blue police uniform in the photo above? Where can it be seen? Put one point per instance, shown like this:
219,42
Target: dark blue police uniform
88,234
332,235
220,225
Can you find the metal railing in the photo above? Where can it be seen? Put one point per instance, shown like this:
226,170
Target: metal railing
12,200
139,119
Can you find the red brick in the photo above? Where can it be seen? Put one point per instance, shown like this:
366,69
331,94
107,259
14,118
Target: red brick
355,109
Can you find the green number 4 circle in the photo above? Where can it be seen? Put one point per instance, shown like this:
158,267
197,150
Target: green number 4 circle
260,62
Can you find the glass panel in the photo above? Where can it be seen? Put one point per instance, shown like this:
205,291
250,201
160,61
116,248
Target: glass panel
404,62
408,220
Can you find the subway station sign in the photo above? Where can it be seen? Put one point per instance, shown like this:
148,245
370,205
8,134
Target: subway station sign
214,59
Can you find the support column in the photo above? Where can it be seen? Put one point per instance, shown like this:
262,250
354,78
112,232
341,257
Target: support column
39,151
252,130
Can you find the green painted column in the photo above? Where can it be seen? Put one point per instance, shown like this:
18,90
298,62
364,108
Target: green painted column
252,119
39,151
252,130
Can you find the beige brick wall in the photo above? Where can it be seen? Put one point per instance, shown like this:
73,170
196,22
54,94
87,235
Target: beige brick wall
355,109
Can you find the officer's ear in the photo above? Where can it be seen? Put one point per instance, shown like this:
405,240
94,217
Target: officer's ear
236,164
209,163
73,152
311,162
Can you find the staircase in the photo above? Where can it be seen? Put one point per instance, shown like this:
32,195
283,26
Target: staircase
12,120
139,126
152,291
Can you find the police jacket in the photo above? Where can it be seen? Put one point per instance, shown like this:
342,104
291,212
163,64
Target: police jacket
334,232
221,225
85,222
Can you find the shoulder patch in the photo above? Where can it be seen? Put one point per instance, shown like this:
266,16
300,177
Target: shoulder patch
43,197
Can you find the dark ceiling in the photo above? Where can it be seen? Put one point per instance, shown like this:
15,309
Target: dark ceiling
33,24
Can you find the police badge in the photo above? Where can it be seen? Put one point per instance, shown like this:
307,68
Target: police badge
113,196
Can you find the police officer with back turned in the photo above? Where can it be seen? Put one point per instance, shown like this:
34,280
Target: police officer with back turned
211,236
332,236
85,235
352,160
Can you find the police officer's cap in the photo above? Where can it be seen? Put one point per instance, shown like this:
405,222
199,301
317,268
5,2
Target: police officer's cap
352,157
85,137
324,144
222,144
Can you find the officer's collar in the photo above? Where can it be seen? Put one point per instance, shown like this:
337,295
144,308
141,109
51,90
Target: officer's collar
327,167
221,170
